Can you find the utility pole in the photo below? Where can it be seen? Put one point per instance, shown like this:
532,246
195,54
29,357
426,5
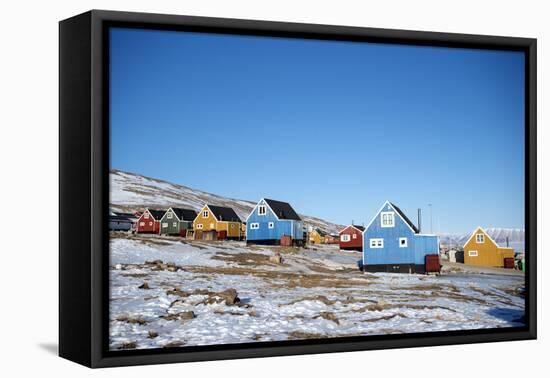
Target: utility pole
431,220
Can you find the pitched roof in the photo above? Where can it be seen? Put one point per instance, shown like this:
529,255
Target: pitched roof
411,224
282,210
127,215
477,231
119,218
360,228
321,232
184,214
224,213
157,214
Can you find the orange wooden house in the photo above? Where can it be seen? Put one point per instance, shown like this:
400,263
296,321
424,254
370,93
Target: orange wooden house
482,250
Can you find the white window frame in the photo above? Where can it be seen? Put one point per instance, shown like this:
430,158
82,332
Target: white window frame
403,245
146,216
205,214
392,217
169,215
165,224
354,236
473,254
376,243
199,226
254,226
150,223
345,238
271,225
480,240
142,224
262,209
175,224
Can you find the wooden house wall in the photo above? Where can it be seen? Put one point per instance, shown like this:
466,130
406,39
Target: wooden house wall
281,227
425,245
489,253
391,253
149,225
315,238
120,225
418,245
353,243
209,223
233,228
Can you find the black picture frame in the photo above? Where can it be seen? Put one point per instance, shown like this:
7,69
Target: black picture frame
84,191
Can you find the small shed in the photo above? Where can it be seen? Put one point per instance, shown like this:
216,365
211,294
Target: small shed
452,255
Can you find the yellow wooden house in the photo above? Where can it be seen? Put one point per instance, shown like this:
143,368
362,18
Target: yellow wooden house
217,222
481,249
316,237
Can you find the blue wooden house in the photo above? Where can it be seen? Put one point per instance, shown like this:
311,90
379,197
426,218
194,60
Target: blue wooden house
392,243
270,220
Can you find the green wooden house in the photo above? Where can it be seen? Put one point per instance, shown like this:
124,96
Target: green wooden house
177,221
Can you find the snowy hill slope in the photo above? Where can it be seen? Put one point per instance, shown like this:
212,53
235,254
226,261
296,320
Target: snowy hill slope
130,191
516,237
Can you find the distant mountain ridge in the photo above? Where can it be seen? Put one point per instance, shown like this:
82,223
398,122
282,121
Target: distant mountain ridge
131,191
516,237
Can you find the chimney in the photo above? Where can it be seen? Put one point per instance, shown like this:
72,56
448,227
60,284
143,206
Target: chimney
419,220
507,242
352,222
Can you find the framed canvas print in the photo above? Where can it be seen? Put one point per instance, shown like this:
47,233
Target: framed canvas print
234,188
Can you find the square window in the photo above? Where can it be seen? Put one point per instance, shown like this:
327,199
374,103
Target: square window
271,225
387,219
168,215
175,224
403,242
146,216
354,236
376,243
480,238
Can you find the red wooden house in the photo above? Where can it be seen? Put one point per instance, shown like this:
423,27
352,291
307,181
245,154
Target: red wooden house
351,238
149,222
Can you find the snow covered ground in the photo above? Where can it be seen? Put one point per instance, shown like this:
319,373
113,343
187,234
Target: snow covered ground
314,293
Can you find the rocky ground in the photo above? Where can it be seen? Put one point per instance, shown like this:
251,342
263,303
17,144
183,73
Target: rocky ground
168,292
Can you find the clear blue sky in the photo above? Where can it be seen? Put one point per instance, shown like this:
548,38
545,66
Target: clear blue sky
334,128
